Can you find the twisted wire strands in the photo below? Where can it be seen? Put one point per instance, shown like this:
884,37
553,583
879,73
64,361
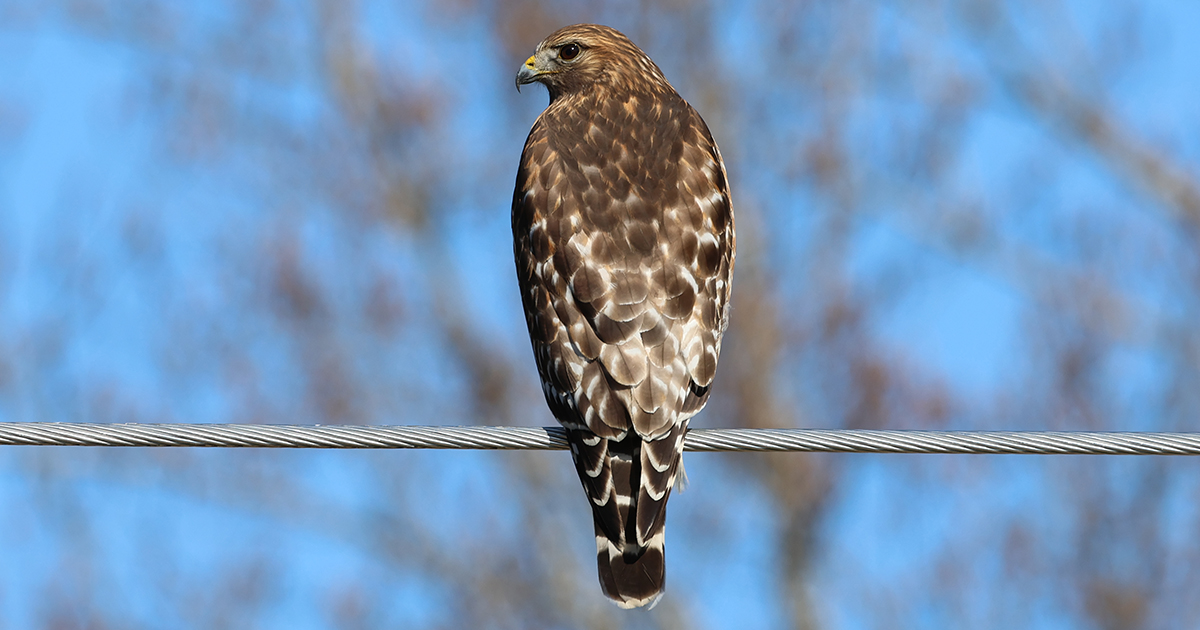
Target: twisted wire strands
554,438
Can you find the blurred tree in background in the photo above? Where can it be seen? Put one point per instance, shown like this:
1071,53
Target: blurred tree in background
953,215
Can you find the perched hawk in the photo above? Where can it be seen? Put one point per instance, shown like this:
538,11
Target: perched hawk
623,235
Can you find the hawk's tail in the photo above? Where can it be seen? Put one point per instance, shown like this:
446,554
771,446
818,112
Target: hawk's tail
629,482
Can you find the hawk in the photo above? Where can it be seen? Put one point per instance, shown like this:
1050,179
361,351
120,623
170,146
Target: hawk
624,244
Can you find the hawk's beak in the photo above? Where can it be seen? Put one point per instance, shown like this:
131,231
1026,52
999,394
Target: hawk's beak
528,72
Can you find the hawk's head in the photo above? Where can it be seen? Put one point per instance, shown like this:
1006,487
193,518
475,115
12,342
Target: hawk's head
586,56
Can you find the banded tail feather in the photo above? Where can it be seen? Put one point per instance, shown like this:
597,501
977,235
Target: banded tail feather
628,482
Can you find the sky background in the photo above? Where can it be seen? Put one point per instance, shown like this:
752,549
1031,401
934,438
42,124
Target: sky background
951,215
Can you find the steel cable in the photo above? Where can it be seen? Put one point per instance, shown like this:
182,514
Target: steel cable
554,438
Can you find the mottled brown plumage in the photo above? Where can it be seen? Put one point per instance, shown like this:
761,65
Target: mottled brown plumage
624,243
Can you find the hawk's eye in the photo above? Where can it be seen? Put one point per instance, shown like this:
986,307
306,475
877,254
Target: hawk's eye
569,52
